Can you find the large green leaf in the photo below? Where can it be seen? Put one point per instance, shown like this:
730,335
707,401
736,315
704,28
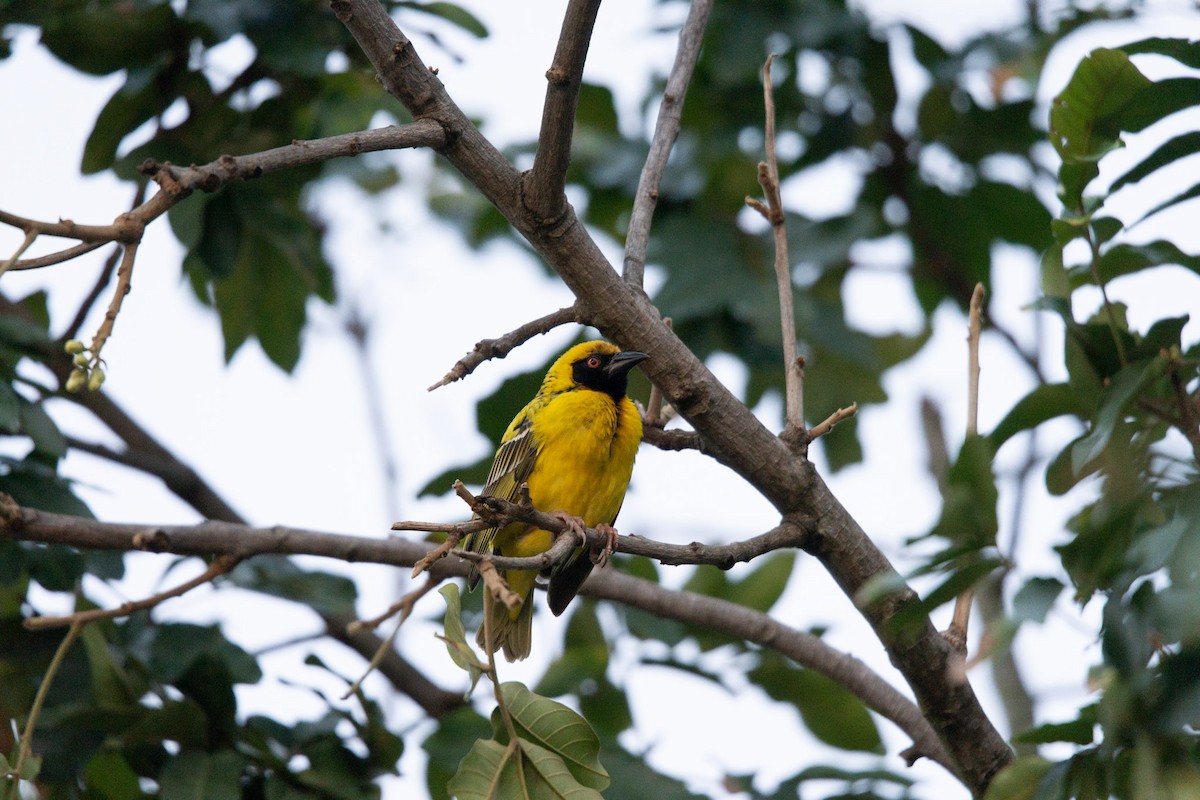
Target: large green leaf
831,713
1086,117
559,730
194,775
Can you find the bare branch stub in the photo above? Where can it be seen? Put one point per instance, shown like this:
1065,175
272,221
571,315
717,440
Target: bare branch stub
488,349
956,633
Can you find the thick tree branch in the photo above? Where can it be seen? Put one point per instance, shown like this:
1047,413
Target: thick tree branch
546,181
666,131
734,436
240,541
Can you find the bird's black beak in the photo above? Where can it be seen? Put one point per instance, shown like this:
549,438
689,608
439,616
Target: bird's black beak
622,362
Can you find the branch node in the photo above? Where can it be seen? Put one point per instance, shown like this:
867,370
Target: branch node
154,540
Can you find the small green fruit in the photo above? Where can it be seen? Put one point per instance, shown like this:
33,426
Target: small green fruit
74,347
77,379
95,380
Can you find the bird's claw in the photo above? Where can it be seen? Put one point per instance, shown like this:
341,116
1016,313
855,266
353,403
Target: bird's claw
600,557
575,525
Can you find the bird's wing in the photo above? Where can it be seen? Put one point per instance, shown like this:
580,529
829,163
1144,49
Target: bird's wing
511,467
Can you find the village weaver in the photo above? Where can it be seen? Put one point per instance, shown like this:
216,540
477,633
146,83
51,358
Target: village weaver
574,446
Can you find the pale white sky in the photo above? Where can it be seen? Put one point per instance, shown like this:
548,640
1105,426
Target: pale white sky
298,449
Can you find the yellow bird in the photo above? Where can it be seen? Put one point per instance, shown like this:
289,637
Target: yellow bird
574,445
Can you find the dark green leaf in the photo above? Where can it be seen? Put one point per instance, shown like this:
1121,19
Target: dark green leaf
194,775
833,714
1035,599
451,12
1019,780
1086,118
280,576
447,746
1043,403
10,409
1181,146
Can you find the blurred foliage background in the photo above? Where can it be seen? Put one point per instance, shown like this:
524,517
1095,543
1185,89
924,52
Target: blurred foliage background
950,169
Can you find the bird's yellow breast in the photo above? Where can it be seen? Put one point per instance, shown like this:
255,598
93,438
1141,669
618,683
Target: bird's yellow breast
587,442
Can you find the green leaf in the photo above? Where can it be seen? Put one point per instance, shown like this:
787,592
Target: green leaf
487,772
764,585
559,730
448,745
10,409
178,646
1117,396
140,98
1186,52
1126,259
1043,403
194,775
1158,101
109,776
833,714
969,508
453,13
280,576
38,426
1182,197
1086,117
1019,780
461,653
1035,599
35,484
1175,148
1076,731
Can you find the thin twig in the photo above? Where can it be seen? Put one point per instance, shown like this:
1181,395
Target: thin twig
487,349
405,606
768,178
956,634
30,237
57,258
220,565
360,334
124,287
110,265
106,273
496,586
39,701
666,131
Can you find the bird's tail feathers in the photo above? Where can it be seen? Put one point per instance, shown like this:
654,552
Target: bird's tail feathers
566,579
514,634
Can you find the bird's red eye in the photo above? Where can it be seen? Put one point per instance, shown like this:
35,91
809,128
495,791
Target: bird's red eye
593,362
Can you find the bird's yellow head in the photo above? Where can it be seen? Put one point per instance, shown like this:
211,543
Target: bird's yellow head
598,365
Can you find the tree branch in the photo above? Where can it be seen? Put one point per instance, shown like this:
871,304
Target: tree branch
240,541
487,349
666,131
547,179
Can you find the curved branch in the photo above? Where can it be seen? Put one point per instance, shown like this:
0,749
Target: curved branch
666,131
57,258
495,511
547,178
240,541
